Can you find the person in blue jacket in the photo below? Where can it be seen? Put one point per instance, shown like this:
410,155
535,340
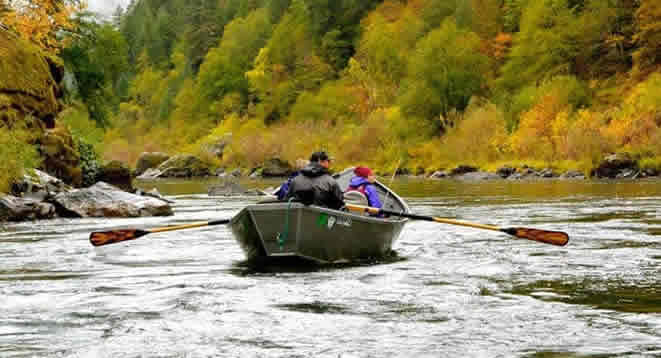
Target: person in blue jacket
284,188
363,181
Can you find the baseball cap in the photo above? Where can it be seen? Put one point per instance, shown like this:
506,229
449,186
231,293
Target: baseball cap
320,156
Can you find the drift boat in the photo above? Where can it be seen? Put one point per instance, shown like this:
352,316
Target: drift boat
280,229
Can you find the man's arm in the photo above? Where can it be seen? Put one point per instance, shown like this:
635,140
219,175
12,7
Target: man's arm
337,195
373,196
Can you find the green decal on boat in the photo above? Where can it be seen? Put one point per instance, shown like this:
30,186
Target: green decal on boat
322,221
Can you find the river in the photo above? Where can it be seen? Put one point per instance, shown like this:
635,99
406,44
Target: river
451,292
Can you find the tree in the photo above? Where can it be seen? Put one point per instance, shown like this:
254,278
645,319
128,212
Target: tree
97,56
117,17
223,70
648,35
40,21
444,72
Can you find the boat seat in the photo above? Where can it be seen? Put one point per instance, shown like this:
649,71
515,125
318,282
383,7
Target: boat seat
356,198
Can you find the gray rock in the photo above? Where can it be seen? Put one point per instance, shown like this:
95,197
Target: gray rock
276,167
439,174
154,194
616,166
150,174
116,173
183,166
462,169
105,200
505,171
477,176
546,173
572,174
525,173
149,160
21,209
38,185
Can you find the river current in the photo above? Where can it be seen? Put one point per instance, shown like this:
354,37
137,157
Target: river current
450,292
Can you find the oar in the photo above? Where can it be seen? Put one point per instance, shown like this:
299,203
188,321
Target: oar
558,238
100,238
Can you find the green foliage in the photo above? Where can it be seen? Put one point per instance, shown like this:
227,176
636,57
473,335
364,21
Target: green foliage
334,103
89,162
223,69
648,35
370,79
567,89
512,10
16,154
98,59
445,71
557,37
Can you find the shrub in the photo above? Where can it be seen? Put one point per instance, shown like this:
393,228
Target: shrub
16,154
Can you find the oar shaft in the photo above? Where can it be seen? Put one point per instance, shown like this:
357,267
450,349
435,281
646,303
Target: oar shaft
179,227
558,238
463,223
376,211
190,226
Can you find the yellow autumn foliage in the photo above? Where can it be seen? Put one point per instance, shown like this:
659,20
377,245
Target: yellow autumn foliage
39,21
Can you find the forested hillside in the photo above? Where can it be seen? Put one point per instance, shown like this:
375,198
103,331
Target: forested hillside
417,84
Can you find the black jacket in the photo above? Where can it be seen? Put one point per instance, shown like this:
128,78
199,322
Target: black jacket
316,186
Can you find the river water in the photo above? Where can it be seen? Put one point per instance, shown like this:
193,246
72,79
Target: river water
451,291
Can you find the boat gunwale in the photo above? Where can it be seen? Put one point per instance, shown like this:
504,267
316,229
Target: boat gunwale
298,205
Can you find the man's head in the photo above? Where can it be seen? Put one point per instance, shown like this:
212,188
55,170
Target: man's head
322,158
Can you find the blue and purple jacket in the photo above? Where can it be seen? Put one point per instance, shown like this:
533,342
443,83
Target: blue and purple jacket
362,185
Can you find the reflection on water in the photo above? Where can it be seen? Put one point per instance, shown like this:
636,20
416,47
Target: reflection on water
447,292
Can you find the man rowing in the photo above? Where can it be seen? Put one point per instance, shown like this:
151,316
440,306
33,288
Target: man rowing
315,185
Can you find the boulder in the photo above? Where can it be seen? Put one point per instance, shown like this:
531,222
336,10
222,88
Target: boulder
276,167
477,176
439,174
525,173
616,166
462,169
60,156
546,173
105,200
149,160
149,174
116,173
154,194
38,185
183,166
21,209
505,171
572,174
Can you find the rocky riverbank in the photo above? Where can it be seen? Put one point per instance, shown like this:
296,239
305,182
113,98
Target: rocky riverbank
41,196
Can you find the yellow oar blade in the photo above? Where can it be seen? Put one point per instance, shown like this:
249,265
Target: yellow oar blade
557,238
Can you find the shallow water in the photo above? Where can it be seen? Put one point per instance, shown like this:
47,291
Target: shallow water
450,292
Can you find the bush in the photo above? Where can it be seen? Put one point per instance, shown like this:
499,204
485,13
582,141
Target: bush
16,154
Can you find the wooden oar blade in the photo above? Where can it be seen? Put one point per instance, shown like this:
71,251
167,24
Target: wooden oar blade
101,238
557,238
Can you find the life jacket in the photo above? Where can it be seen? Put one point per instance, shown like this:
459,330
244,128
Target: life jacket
360,188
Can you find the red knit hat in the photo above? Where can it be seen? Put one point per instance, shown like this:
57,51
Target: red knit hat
362,171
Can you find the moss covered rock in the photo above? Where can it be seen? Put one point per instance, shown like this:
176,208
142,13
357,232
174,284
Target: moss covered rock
149,160
116,173
28,82
60,156
184,166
